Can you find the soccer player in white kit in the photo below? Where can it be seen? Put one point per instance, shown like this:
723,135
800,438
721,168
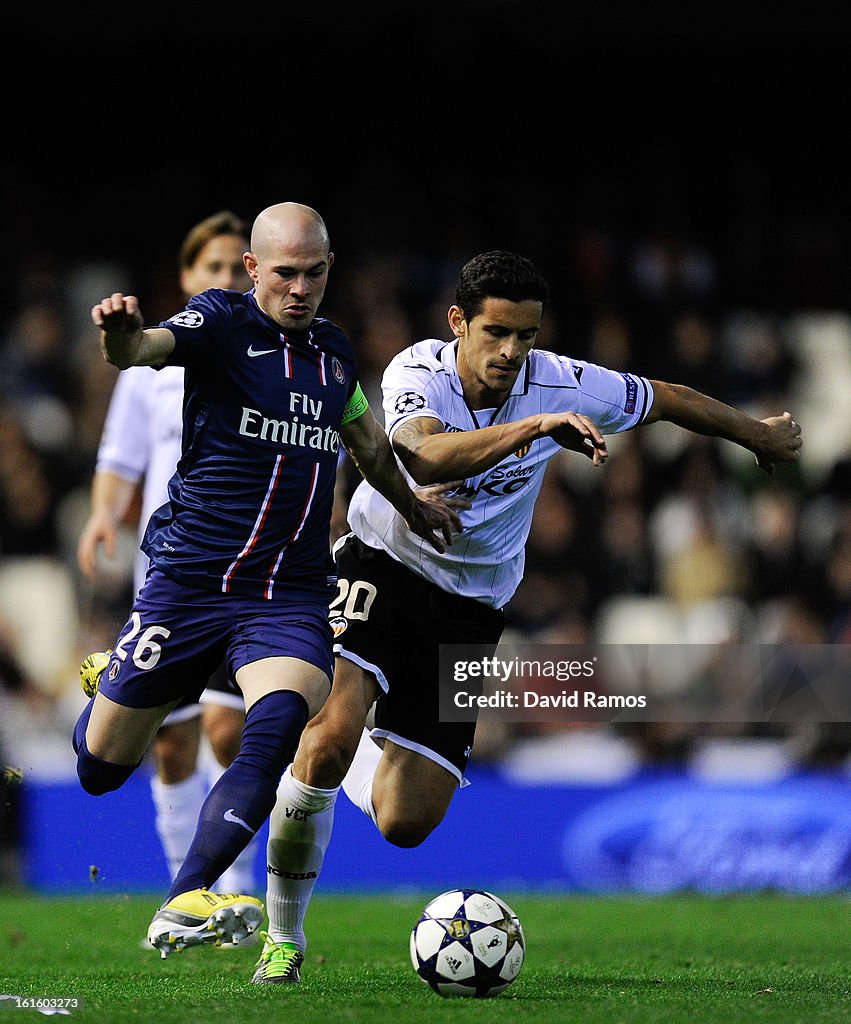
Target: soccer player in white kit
490,410
141,445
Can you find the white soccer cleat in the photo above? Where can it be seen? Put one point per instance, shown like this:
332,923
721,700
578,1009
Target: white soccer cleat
201,917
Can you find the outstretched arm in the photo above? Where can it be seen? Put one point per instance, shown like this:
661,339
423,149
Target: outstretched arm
775,439
123,340
426,514
430,454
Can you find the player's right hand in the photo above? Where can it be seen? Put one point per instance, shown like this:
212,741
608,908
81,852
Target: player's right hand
118,314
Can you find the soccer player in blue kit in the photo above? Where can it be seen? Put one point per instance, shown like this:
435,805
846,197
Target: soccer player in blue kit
240,553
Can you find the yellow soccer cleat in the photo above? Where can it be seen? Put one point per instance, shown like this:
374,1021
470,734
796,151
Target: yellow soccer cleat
91,670
201,917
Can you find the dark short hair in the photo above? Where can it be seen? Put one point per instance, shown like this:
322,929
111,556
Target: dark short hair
498,275
222,223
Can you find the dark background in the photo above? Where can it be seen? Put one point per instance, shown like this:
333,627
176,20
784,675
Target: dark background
441,128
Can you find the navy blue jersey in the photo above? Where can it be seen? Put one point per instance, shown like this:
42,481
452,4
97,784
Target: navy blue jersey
249,505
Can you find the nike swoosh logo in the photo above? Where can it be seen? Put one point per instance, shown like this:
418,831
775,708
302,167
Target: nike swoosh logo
262,352
230,816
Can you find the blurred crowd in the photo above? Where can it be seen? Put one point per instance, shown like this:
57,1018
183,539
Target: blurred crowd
677,538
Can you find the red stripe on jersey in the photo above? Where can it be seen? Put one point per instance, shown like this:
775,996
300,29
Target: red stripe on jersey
258,524
305,512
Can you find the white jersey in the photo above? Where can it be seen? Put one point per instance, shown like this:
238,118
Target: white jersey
141,437
486,561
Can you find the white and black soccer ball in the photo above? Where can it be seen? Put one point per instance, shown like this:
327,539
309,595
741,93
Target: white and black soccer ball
468,943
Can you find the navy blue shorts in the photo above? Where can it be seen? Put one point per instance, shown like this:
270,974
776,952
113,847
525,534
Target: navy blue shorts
177,636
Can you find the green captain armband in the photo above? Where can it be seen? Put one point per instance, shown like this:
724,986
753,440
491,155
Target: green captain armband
355,407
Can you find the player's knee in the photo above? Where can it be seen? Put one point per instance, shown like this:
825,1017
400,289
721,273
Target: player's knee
224,738
404,831
324,757
272,729
175,760
225,745
98,777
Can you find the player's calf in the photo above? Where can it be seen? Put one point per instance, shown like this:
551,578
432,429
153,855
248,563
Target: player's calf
410,795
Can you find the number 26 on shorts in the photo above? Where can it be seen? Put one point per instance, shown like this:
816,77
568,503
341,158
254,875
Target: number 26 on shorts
147,651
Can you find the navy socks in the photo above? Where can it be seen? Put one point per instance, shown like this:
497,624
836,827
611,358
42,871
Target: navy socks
244,796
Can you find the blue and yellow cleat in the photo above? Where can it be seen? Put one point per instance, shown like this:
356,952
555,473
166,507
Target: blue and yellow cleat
201,917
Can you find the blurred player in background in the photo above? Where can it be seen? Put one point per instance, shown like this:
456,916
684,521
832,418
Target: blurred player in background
490,409
240,554
141,446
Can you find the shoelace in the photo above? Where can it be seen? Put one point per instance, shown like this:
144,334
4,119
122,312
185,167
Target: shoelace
268,947
287,956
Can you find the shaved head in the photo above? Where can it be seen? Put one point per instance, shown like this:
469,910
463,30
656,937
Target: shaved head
285,225
289,262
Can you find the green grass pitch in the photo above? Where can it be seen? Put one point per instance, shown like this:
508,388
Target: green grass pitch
680,959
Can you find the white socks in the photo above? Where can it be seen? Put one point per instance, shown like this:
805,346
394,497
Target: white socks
299,833
178,805
357,784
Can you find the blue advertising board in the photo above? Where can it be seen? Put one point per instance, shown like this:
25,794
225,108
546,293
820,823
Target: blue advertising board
652,833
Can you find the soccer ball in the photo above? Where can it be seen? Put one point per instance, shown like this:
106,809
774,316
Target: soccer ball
468,943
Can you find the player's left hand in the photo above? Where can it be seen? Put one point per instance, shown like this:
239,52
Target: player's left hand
577,433
434,515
